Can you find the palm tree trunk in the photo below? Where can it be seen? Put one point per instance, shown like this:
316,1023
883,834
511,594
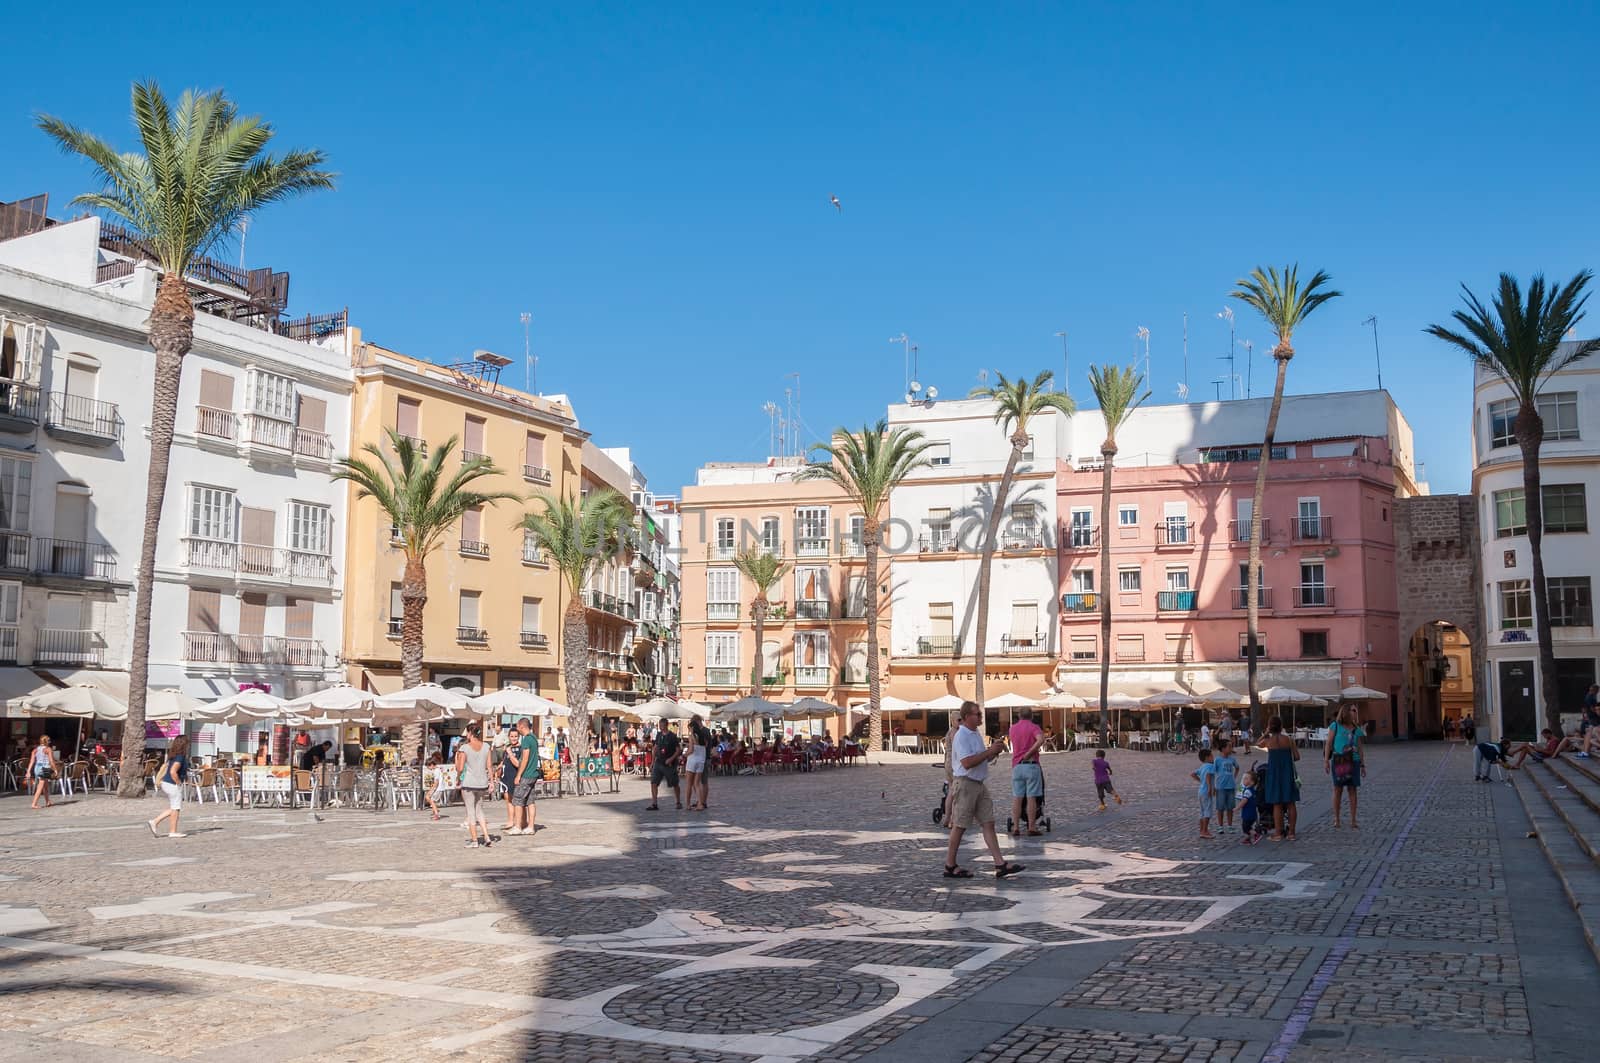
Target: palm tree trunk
575,664
758,613
413,600
1108,455
171,335
1252,591
1529,431
870,536
1019,440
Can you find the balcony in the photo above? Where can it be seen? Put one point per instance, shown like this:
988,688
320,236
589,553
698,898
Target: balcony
533,640
1313,596
722,677
15,547
1312,529
854,610
1175,601
1241,598
935,645
73,560
216,424
8,643
1174,534
532,556
315,445
535,474
1079,537
473,455
812,609
1080,602
1027,537
215,647
722,610
268,433
83,420
853,547
395,624
1125,656
261,564
812,675
1021,645
606,603
474,548
54,645
472,636
939,543
1178,653
812,547
19,407
778,679
419,444
606,661
1239,532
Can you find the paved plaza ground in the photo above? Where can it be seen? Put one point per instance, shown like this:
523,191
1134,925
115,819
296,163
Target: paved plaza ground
803,917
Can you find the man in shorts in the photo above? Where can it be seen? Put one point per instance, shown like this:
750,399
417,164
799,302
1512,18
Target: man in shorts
523,809
969,801
1027,777
664,767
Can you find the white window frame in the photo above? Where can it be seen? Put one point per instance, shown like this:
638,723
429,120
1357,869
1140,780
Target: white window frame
1301,516
1080,526
272,395
1082,581
1127,516
1084,647
538,615
772,535
10,603
811,531
213,513
1178,578
1175,515
530,547
726,537
476,598
310,528
938,453
722,649
1508,591
1130,586
1505,412
16,478
722,589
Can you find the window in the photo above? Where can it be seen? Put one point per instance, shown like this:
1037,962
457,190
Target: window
722,658
472,532
811,592
1314,644
771,659
216,393
855,663
811,667
1082,533
1243,510
1310,518
938,453
211,514
1502,423
722,593
530,548
1516,603
1084,648
771,536
1564,508
1024,624
725,541
1313,583
1570,603
16,494
1177,578
272,395
1180,647
472,445
1130,647
1510,513
941,629
1024,522
1027,451
1128,516
10,603
858,534
1213,454
530,615
940,535
1244,645
408,417
1129,580
1558,410
855,602
310,528
533,464
467,614
397,610
811,530
1083,581
1176,516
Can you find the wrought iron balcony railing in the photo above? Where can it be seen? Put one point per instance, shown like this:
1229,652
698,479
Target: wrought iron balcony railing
1080,602
1175,601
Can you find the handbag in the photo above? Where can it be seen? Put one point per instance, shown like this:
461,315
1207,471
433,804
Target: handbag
1344,768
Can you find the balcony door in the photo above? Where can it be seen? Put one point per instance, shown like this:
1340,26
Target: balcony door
79,403
257,538
68,552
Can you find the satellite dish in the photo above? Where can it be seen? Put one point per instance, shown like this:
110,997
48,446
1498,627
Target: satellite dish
915,387
933,393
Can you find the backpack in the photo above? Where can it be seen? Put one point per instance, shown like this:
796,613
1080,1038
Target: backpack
666,745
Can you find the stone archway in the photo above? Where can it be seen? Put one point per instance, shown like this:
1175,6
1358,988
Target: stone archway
1436,578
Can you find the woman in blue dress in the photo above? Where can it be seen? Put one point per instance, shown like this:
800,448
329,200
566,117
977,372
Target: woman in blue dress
1283,788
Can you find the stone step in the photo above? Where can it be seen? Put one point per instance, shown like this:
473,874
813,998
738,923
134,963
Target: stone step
1577,782
1586,766
1570,808
1573,862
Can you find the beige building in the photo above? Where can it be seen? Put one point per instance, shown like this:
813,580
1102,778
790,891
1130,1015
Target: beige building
493,615
815,637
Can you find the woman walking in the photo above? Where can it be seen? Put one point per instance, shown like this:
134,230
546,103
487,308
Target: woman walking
1341,759
472,768
694,763
43,767
174,772
1283,787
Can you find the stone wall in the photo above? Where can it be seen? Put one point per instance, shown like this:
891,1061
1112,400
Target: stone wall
1436,567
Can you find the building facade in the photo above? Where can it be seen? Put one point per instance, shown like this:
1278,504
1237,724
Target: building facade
1182,492
493,615
1569,466
652,644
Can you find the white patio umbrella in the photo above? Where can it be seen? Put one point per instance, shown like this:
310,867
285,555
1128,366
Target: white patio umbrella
516,701
1170,699
603,708
1361,693
749,707
1114,701
424,697
810,708
245,706
1285,696
1064,699
666,709
942,703
890,703
1013,701
1223,698
340,699
79,701
171,704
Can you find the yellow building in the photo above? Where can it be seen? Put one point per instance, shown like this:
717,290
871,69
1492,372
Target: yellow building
493,615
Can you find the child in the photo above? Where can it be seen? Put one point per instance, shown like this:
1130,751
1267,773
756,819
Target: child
1247,808
433,782
1227,772
1102,779
1207,778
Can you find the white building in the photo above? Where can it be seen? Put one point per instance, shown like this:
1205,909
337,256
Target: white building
938,520
652,645
1569,466
248,585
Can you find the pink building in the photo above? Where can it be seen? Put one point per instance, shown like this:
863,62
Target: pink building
1180,528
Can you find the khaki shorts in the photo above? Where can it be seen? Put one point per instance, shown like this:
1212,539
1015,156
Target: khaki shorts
969,803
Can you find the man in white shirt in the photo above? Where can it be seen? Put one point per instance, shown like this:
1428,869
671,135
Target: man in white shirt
969,802
1205,735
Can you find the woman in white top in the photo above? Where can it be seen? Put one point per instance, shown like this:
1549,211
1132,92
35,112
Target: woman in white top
472,768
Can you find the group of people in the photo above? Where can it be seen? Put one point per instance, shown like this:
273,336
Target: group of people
1584,743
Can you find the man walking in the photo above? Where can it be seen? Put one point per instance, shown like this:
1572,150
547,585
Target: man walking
969,793
664,767
1027,777
523,809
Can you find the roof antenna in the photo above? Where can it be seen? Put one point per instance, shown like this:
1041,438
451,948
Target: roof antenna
529,378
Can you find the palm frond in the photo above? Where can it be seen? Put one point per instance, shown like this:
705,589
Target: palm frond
867,465
1019,400
1281,300
1522,339
1117,389
578,535
760,568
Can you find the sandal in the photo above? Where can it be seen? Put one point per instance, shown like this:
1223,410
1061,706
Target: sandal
957,872
1036,834
1007,870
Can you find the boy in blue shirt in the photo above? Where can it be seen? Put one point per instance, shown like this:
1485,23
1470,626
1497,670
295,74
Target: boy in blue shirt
1227,782
1207,778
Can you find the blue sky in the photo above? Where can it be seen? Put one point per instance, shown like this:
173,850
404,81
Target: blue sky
652,183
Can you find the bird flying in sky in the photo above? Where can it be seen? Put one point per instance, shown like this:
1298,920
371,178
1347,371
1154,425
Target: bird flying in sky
836,204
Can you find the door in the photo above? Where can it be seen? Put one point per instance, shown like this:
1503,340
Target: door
1518,712
257,537
79,411
68,552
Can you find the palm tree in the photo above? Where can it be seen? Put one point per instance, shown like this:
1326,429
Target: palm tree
1284,305
1520,341
764,570
578,536
422,503
1016,403
204,170
867,467
1117,390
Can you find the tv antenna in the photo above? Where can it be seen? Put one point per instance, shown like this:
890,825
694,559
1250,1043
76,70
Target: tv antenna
530,378
1218,382
1373,321
1249,367
1144,334
794,411
905,342
770,408
1066,363
1183,392
1226,314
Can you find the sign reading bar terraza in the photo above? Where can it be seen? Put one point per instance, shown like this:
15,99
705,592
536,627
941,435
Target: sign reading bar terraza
967,677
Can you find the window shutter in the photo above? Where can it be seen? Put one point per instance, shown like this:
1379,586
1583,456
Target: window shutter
473,435
257,527
253,614
204,607
312,414
472,524
298,617
408,414
216,390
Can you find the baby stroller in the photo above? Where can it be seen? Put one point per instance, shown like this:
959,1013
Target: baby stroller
1263,811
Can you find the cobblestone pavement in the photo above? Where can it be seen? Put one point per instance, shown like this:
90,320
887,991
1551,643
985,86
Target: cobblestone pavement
803,917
